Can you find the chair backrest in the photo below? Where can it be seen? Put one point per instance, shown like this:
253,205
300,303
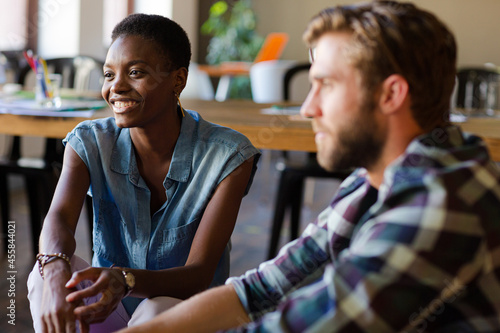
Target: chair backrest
82,73
3,68
477,88
291,75
88,74
14,61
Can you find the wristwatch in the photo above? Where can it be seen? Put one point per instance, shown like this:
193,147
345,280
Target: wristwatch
129,282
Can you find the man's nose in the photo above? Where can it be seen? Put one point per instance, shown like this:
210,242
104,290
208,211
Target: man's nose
309,108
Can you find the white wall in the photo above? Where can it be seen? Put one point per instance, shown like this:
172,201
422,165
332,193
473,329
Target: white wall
475,24
91,29
185,12
476,27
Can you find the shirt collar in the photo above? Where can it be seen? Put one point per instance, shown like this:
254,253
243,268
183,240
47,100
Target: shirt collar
122,152
180,167
123,158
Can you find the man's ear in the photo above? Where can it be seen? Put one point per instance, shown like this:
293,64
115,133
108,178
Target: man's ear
180,79
394,93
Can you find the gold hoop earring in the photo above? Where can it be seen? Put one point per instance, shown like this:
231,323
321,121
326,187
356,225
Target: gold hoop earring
180,105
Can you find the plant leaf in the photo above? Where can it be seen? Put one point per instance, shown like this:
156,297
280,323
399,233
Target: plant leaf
218,8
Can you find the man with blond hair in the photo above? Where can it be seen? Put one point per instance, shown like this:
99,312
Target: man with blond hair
411,240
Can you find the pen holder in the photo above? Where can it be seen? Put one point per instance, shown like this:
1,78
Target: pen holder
47,90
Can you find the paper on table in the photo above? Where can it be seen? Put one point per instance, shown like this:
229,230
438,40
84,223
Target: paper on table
282,110
68,108
457,118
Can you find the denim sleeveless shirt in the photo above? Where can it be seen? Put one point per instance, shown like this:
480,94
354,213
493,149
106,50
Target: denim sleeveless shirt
125,232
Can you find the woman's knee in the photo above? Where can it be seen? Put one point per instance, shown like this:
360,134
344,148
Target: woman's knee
150,308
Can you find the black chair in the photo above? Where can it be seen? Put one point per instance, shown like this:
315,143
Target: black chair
13,62
290,74
4,64
474,88
41,174
292,176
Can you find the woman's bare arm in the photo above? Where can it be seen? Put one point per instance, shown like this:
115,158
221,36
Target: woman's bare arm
211,238
57,236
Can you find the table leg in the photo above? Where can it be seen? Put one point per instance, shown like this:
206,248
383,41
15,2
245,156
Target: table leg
223,87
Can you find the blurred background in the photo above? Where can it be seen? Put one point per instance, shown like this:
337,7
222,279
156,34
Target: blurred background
55,28
220,32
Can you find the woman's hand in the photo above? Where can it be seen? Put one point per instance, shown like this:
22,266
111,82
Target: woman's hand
106,281
57,313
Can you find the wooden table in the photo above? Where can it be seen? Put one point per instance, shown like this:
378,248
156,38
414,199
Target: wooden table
232,69
277,131
489,130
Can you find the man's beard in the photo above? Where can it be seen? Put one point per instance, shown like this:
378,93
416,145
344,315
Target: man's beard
359,145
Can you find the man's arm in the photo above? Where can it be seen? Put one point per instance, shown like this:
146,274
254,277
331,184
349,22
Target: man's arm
386,279
215,309
396,269
222,308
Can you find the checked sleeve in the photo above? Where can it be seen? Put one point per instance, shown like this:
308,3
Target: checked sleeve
413,251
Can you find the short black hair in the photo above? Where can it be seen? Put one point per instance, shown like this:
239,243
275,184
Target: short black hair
169,36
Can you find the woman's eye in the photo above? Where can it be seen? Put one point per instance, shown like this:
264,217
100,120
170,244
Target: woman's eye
108,75
135,72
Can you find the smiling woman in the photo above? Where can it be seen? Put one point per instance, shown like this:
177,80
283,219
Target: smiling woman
140,85
166,188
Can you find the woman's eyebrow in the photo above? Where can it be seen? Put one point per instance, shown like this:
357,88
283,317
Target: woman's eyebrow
135,62
130,63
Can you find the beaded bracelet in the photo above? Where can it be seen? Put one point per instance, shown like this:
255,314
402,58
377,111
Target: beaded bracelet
45,258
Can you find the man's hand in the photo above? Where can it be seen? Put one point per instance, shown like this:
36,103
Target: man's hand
107,282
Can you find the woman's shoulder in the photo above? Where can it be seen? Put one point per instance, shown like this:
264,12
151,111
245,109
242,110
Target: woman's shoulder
100,124
95,130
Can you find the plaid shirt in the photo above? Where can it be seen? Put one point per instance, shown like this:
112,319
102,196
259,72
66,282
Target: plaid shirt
420,254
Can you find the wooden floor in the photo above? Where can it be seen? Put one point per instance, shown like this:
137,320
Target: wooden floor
249,240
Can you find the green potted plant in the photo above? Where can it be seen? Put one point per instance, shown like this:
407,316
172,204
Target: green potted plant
232,27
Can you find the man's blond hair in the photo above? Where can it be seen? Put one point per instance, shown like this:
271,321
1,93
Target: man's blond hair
388,38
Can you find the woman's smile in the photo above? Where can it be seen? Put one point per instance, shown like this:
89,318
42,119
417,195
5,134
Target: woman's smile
123,106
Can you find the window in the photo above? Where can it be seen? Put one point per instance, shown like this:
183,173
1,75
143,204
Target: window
16,25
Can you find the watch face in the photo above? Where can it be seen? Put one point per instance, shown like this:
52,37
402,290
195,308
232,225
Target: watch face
130,280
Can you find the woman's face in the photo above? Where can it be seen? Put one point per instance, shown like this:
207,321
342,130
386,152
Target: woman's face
138,85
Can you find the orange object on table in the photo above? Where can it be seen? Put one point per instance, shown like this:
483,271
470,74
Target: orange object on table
273,47
271,50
